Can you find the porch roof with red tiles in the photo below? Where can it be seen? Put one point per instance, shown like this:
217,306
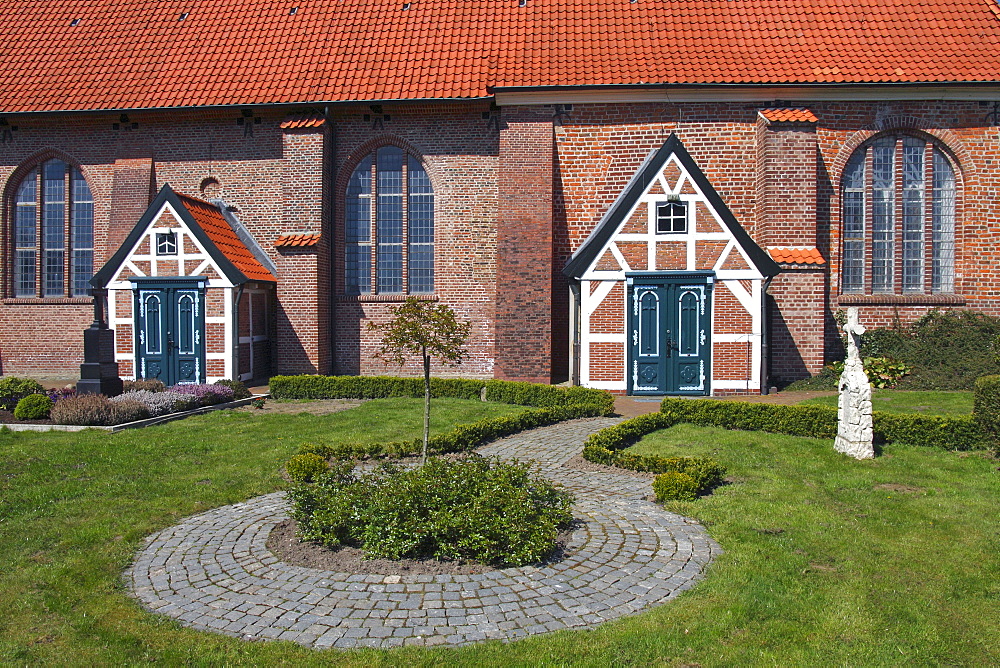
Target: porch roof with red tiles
137,54
217,228
796,255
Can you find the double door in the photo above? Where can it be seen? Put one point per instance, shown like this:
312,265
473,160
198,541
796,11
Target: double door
669,326
170,331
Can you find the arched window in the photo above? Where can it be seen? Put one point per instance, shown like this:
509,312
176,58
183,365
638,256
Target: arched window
898,218
389,200
53,233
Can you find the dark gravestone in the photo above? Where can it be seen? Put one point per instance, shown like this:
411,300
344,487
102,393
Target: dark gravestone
99,371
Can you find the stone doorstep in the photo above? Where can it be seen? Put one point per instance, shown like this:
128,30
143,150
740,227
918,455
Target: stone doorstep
148,422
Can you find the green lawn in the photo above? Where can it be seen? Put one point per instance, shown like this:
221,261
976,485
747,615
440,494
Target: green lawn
828,561
926,402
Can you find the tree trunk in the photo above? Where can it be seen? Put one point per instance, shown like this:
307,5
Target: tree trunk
427,402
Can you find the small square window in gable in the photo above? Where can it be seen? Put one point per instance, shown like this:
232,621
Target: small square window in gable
704,221
166,243
671,217
638,223
671,174
707,253
671,255
636,254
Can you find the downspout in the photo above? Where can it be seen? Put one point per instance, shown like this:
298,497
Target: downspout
236,333
574,332
765,339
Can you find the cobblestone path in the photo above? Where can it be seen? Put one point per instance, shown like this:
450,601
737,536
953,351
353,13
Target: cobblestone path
213,571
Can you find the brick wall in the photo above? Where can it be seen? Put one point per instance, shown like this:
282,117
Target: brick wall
457,145
493,251
525,247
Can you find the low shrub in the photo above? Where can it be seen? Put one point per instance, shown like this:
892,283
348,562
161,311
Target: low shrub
33,407
240,390
675,486
159,403
150,385
204,394
471,508
957,432
461,439
986,409
306,467
375,387
13,389
128,411
60,393
883,372
97,410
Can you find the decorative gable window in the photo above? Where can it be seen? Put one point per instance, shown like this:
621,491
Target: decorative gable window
166,243
898,218
671,217
53,233
389,226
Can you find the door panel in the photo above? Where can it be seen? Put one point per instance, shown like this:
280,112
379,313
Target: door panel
169,334
670,325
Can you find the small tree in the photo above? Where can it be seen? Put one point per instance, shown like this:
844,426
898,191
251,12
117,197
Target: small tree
426,328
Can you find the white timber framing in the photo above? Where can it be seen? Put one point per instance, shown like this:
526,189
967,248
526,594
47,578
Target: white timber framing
198,263
745,285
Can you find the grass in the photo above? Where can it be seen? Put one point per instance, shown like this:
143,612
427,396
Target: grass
926,402
827,561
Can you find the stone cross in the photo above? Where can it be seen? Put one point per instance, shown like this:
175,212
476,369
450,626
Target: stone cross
854,410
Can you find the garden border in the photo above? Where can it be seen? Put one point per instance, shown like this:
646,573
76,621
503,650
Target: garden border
604,447
137,424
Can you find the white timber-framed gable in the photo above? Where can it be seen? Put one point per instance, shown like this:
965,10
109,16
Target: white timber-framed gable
667,227
177,242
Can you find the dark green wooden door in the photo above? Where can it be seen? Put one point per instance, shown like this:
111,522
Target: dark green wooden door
669,323
170,332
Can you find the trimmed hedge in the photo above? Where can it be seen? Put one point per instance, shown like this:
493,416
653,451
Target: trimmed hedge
986,408
378,387
463,438
951,433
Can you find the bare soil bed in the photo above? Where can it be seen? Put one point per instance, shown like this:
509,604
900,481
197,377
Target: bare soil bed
7,417
286,546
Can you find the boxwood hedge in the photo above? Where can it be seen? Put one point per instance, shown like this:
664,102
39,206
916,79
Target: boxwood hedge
377,387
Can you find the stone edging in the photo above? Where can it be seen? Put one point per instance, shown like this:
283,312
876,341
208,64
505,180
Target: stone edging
213,571
148,422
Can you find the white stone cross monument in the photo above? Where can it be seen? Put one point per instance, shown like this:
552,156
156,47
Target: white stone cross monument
854,411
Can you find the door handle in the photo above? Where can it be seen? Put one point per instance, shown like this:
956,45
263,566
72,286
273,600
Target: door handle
669,343
170,342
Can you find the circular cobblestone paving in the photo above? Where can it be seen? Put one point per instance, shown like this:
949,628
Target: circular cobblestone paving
214,572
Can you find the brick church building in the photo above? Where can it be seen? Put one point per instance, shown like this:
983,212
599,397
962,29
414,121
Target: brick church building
650,197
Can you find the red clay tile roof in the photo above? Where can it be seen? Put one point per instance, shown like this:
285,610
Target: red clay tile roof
134,54
293,240
217,228
789,115
296,121
795,255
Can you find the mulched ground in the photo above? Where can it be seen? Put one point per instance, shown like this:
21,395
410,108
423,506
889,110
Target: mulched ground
6,417
287,547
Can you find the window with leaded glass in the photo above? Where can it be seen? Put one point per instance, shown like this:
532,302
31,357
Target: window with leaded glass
898,218
53,233
389,226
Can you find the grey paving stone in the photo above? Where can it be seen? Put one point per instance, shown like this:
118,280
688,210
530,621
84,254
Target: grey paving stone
213,571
